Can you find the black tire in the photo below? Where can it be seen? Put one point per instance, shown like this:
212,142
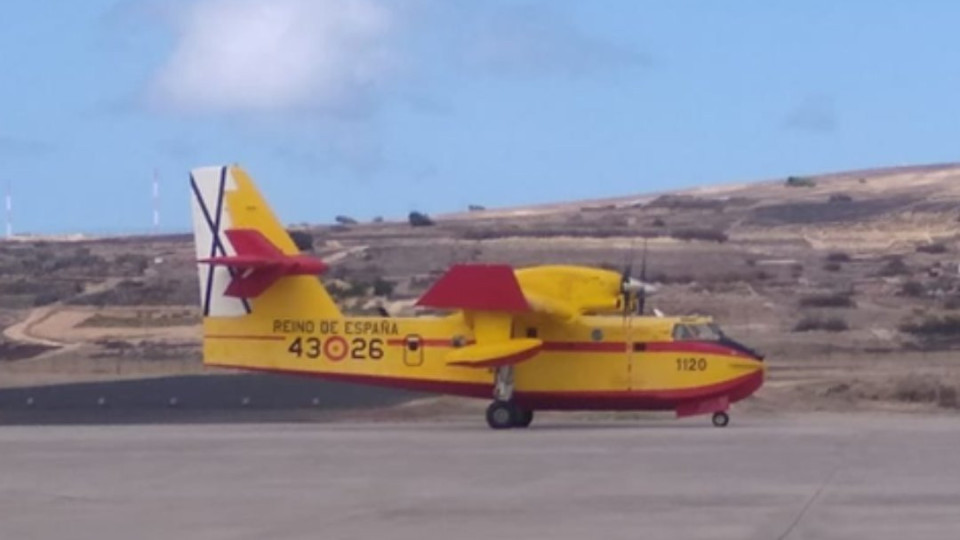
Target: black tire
523,418
721,419
501,415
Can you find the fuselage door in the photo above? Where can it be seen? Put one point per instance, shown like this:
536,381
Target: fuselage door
413,350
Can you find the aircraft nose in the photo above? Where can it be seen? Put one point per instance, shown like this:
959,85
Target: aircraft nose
748,365
740,347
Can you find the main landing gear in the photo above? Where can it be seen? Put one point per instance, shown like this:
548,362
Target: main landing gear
721,419
506,414
503,413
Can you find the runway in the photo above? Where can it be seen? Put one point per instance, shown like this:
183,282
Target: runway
764,477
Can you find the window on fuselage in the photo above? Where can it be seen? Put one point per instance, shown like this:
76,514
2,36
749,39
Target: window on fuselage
697,332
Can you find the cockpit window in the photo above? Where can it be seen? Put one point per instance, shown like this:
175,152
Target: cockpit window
697,332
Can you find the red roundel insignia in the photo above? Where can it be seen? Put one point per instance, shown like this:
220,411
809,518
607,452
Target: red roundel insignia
335,348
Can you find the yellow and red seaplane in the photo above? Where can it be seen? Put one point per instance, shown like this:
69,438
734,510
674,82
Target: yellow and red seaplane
539,338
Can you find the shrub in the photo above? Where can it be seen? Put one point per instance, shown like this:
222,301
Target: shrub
419,219
828,300
657,222
345,220
382,287
840,198
378,219
838,257
829,324
952,302
476,208
932,248
708,235
894,267
302,239
800,181
913,288
832,267
932,325
687,202
357,288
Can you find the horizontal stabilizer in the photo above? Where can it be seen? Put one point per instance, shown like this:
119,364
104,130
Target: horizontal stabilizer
503,353
258,263
477,287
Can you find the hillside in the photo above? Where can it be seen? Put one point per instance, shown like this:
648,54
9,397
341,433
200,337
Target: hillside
848,282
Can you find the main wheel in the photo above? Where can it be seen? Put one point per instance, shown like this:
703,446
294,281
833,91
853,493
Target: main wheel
500,414
523,418
721,419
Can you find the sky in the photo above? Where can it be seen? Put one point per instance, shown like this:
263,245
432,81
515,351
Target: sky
377,108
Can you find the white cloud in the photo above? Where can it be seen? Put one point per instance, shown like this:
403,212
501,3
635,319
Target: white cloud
277,55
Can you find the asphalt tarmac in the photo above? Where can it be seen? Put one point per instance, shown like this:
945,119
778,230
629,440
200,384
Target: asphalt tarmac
764,477
190,398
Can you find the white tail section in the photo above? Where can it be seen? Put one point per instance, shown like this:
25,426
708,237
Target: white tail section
210,219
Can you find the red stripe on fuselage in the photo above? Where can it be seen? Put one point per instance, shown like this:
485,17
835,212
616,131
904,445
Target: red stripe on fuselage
655,400
691,347
585,346
247,337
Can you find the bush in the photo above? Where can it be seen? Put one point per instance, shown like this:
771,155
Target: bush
378,219
382,287
357,288
476,208
840,198
947,325
894,267
829,324
302,239
800,181
419,219
832,267
952,302
686,202
345,220
708,235
838,257
657,222
829,300
913,288
932,248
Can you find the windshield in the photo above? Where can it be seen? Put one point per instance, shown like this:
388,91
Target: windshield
697,332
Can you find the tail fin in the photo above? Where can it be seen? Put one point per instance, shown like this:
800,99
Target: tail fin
248,265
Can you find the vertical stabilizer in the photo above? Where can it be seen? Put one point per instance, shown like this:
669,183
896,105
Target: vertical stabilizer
248,266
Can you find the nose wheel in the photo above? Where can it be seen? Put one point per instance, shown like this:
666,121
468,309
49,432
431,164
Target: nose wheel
721,419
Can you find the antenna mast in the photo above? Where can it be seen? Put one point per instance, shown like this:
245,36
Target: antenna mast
8,211
156,201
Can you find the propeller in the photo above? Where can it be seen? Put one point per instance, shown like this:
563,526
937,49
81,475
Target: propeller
642,293
631,287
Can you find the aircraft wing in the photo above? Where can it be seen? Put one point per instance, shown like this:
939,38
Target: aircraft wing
497,354
489,296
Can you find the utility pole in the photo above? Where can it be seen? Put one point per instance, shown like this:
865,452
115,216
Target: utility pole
156,201
8,211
